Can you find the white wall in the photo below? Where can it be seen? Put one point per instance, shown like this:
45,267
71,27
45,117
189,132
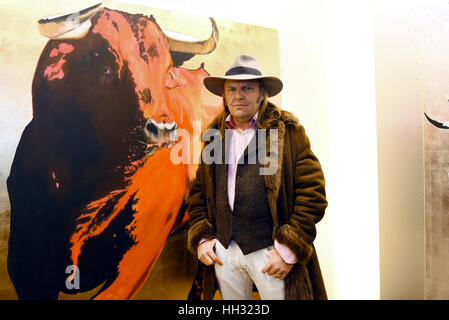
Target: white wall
400,101
349,60
327,66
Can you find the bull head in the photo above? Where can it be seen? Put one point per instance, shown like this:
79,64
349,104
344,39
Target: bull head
160,129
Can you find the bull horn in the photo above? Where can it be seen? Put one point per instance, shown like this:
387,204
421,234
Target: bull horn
441,125
195,47
60,26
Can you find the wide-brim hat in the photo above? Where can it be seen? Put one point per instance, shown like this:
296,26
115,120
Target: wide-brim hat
244,68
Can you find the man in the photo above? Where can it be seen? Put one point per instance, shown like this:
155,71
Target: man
248,225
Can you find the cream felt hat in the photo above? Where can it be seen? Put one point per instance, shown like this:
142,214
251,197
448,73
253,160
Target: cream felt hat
244,68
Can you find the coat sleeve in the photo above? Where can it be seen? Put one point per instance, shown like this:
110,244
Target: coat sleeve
199,225
309,198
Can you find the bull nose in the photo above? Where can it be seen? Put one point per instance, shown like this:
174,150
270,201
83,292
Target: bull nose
160,127
151,128
159,135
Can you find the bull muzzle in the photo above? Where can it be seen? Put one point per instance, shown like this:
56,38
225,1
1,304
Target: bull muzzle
159,135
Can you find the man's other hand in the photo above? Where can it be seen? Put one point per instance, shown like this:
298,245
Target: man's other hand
276,266
206,253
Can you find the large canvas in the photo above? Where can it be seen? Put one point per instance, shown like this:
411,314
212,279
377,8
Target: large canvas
98,132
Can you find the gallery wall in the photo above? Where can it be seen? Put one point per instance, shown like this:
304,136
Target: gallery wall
399,100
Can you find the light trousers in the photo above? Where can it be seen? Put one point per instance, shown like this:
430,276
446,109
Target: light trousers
238,273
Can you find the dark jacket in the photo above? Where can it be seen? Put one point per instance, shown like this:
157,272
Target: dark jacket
296,197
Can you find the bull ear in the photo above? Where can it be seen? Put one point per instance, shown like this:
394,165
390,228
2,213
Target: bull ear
172,80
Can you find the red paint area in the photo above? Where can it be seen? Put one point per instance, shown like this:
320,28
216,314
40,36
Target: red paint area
54,70
159,186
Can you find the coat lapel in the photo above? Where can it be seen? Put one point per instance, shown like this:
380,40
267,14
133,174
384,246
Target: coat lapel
273,181
210,176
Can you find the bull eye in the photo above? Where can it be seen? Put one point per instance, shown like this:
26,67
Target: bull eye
105,76
106,70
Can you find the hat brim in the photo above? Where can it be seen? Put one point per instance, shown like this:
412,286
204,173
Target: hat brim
272,85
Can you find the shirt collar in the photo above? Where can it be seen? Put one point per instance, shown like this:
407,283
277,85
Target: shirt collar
230,124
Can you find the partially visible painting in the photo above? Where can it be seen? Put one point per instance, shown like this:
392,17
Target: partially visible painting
432,37
95,205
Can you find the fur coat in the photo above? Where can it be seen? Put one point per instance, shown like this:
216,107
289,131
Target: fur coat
296,197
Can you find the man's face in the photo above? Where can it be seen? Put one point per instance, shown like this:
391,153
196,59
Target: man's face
243,98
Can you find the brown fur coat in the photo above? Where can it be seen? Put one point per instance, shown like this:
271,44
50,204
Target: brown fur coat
296,197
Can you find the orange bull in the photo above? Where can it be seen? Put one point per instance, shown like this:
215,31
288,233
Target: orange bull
101,192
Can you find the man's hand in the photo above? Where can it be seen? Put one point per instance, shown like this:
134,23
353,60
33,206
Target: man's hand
206,253
276,266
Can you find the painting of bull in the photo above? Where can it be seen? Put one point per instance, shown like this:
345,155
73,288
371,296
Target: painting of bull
93,192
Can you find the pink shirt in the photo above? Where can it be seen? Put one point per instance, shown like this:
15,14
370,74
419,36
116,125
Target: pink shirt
237,145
